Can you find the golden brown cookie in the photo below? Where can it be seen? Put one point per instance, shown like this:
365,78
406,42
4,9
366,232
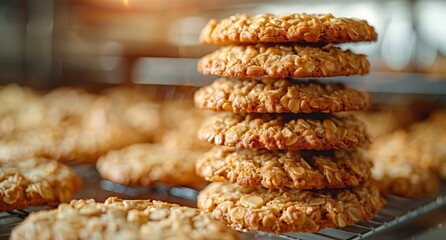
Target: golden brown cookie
284,131
35,181
282,61
264,28
395,172
148,164
289,210
279,96
279,169
121,219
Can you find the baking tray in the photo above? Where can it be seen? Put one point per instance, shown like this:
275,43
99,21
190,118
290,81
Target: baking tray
396,212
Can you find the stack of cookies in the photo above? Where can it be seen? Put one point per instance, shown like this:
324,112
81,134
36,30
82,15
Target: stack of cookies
286,161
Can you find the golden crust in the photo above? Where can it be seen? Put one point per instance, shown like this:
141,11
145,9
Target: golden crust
269,28
121,219
284,131
289,210
279,96
282,61
279,169
35,181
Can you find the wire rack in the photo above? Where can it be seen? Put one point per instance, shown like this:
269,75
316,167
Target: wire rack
396,211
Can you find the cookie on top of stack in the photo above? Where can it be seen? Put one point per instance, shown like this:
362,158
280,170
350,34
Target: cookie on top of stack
286,161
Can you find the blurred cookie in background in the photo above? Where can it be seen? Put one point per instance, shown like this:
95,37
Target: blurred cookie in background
381,121
394,169
150,164
69,124
427,143
180,121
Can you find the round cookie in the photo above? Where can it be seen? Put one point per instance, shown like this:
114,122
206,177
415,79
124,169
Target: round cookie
279,96
279,169
284,131
282,61
121,219
148,164
394,171
269,28
35,181
289,210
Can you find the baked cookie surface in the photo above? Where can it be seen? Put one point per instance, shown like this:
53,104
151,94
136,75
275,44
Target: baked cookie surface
269,28
148,164
279,169
35,181
289,210
284,131
282,61
121,219
279,96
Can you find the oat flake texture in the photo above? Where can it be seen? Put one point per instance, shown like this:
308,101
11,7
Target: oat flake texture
121,219
289,210
284,131
269,28
279,96
279,169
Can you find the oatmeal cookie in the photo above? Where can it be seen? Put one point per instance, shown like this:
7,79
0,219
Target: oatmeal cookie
121,219
279,96
282,61
284,131
289,210
148,164
35,181
279,169
299,27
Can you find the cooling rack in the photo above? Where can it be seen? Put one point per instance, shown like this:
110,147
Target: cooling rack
397,211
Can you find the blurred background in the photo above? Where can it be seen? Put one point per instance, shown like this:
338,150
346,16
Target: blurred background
48,43
95,44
